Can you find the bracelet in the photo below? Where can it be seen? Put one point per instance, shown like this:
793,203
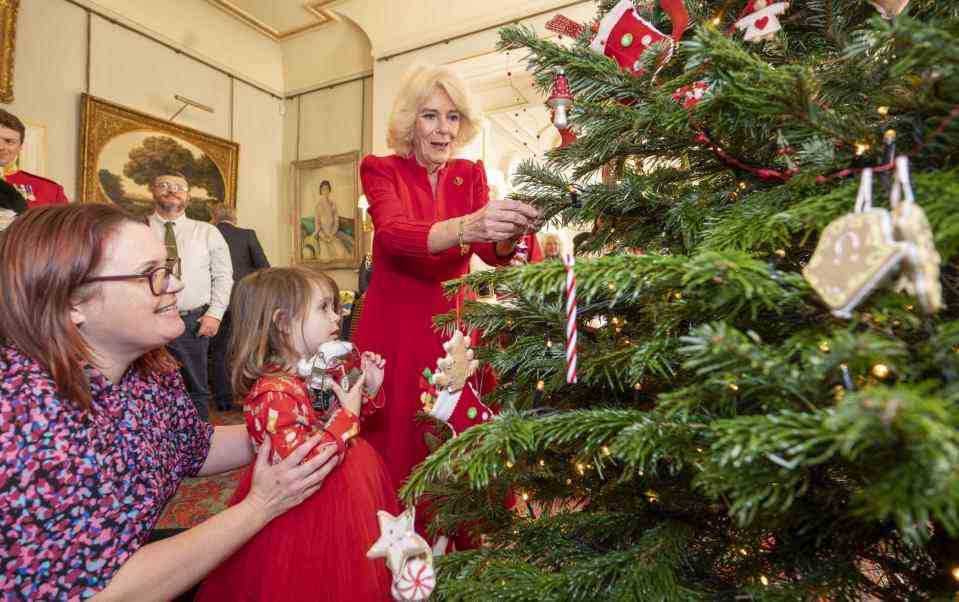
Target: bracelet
464,248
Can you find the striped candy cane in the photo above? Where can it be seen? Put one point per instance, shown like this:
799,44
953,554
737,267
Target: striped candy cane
570,320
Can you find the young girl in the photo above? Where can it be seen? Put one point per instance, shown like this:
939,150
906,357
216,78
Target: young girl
317,550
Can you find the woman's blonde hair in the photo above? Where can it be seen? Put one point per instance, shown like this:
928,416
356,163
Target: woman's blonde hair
418,84
264,306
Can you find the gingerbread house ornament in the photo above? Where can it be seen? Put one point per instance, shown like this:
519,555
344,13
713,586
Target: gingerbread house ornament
855,254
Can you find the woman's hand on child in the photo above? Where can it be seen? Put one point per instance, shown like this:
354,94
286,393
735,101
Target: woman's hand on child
372,365
277,488
352,399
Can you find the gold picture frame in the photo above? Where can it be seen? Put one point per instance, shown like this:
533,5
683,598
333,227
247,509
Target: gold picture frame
121,149
327,222
8,41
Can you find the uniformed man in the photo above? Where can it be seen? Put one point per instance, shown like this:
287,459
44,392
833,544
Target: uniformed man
36,190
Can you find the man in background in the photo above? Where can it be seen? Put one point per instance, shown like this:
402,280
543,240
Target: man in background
34,189
207,280
247,256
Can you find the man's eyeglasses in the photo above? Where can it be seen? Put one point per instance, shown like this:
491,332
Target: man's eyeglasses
171,186
159,277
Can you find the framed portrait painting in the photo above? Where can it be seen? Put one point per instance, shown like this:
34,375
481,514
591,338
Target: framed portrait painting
8,41
122,150
327,232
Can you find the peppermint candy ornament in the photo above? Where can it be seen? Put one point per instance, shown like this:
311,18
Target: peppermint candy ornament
415,582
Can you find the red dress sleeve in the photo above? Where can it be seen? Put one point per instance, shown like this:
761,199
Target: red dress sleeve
282,412
485,250
397,231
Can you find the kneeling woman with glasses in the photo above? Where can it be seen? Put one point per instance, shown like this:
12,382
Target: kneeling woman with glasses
96,427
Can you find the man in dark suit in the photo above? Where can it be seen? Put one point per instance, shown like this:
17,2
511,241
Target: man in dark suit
247,257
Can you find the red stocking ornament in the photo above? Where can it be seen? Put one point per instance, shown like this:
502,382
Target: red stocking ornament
623,35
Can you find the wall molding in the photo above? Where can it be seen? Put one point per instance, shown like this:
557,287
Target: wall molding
121,21
316,8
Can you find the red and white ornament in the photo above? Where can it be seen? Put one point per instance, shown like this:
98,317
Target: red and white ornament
623,35
571,375
415,582
559,100
760,20
690,94
460,410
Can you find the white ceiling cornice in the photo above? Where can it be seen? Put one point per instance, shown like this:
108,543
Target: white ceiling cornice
315,15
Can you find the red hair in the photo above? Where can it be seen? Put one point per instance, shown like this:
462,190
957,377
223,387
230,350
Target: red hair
45,256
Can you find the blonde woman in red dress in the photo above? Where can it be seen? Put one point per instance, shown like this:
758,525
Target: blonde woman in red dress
316,552
431,213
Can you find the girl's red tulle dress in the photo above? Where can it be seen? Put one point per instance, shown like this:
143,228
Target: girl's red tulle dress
316,551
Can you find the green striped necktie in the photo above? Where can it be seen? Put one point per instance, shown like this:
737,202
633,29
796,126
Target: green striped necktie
169,239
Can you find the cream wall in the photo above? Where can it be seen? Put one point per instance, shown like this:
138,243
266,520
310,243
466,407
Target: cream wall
333,53
57,40
329,121
200,29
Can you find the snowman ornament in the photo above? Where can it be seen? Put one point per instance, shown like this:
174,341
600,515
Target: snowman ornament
761,20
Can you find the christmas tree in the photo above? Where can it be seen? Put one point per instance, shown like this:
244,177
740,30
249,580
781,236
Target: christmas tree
734,433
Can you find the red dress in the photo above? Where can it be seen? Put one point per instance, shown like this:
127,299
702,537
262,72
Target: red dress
405,290
315,551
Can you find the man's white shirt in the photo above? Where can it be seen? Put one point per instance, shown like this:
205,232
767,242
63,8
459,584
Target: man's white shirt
205,259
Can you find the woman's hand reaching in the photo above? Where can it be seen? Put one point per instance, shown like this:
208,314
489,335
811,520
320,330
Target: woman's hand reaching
500,220
277,488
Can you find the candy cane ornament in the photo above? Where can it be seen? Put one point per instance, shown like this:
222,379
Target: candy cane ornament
570,320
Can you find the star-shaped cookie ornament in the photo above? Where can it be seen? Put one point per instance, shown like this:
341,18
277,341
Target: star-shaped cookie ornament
398,540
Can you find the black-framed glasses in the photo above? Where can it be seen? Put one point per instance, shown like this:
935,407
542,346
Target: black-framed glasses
159,277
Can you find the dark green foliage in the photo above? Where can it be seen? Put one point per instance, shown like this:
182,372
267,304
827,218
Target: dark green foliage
728,438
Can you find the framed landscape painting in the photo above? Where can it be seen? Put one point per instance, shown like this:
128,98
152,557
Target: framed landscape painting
122,150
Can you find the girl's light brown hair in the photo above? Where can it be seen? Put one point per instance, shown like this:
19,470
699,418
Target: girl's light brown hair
45,256
264,306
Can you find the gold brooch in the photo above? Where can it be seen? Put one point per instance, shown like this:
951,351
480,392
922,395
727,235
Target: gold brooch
458,181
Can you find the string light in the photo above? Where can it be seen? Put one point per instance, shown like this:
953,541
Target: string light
780,252
638,386
861,148
880,370
569,481
743,552
716,21
824,346
605,450
525,497
542,462
580,469
734,386
540,385
509,464
549,344
955,573
882,110
763,580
